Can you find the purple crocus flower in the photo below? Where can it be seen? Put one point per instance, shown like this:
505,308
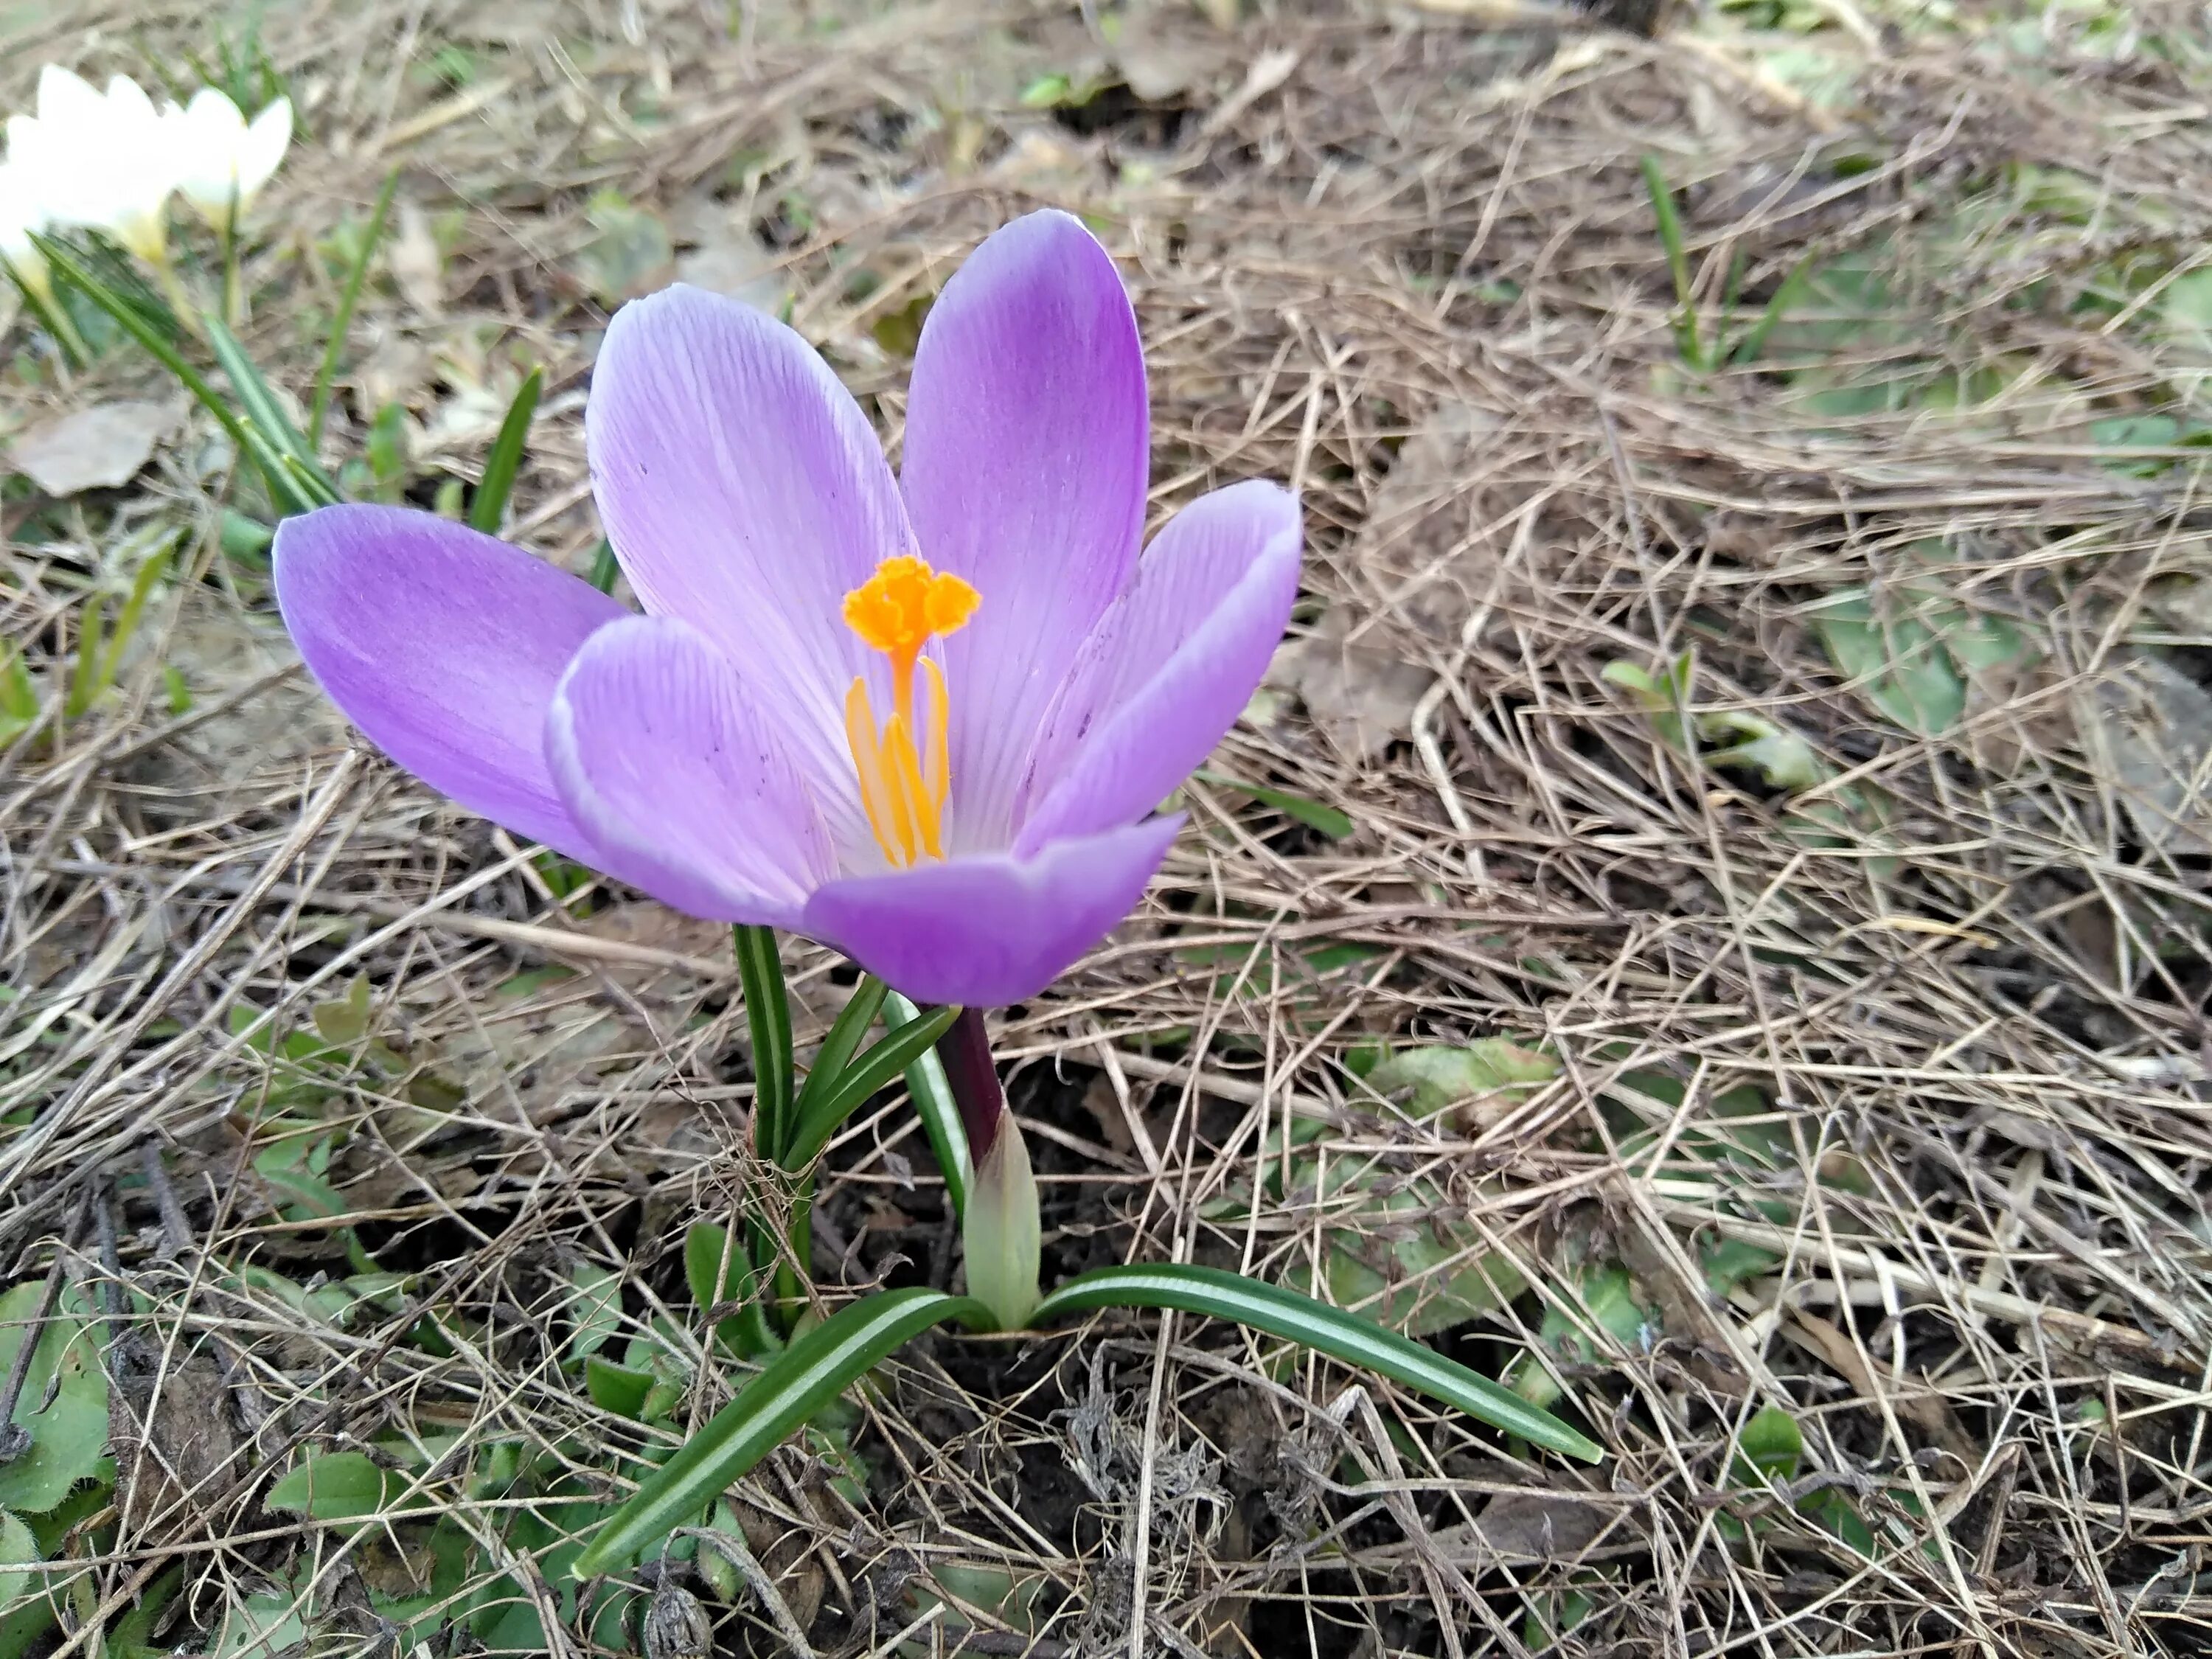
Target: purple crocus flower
926,722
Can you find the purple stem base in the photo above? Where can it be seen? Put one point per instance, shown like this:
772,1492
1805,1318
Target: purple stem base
966,1051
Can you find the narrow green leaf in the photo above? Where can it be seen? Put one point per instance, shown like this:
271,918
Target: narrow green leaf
134,608
1678,262
249,442
1330,820
488,506
836,1053
604,566
19,698
260,406
83,685
939,1112
1327,1330
873,1070
798,1384
767,1012
1792,290
348,297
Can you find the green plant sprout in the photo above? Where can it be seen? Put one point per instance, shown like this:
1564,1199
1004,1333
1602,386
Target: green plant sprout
808,1362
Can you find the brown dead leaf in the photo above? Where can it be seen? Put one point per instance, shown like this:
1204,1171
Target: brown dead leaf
101,448
417,264
171,1435
2149,732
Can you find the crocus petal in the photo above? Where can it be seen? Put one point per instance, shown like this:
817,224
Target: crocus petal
682,787
1026,463
1167,672
745,492
989,929
65,94
444,646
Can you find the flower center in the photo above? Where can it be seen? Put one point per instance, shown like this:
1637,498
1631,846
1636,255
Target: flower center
904,774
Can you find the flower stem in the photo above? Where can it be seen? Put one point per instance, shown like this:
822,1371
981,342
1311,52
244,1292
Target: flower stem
966,1051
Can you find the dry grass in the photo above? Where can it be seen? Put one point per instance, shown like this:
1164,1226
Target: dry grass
1971,1022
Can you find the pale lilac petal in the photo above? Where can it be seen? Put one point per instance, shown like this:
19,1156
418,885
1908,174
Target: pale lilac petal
443,646
1026,438
746,493
1168,669
667,762
991,930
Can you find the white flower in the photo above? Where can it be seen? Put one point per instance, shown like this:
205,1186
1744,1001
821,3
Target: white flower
21,213
106,160
222,161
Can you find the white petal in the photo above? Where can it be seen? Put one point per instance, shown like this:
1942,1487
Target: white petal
263,149
66,97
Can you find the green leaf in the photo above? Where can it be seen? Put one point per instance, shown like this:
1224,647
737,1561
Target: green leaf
488,506
799,1382
1661,695
1769,1447
155,567
604,566
249,442
1332,1331
69,1436
874,1070
594,1306
617,1388
336,1486
1678,262
1899,662
19,698
768,1013
386,447
83,677
348,297
836,1053
939,1112
261,408
1330,820
719,1271
1606,1294
16,1545
1437,1077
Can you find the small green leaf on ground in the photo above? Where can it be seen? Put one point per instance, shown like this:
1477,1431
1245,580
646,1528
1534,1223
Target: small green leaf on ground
335,1486
1484,1077
68,1432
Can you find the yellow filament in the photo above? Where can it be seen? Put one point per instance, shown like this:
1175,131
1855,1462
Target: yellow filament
905,784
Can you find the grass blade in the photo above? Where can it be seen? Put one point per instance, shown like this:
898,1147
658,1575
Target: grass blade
348,297
836,1053
134,608
1678,262
767,1012
1325,1329
488,505
83,686
940,1112
796,1385
897,1053
1793,287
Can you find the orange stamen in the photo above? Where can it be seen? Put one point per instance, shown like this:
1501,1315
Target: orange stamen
905,771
